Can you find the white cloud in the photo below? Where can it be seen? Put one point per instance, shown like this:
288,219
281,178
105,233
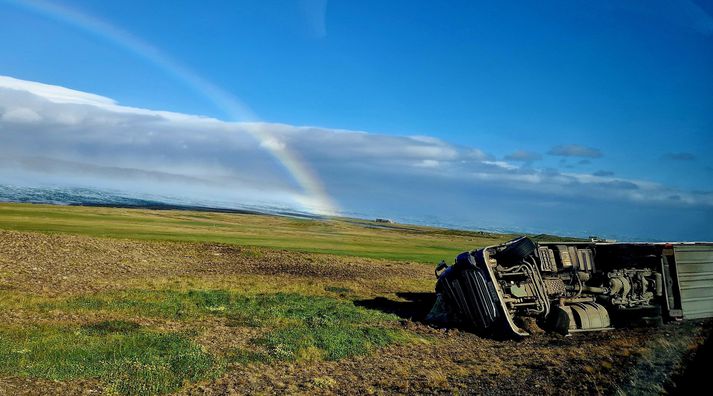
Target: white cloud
502,165
55,93
53,134
428,163
478,155
272,143
20,115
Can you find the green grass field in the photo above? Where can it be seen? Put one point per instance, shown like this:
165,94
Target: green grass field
134,359
83,319
144,302
334,236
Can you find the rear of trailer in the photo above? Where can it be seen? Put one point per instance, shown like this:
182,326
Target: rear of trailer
694,267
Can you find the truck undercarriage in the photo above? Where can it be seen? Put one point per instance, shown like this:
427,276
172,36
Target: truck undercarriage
574,286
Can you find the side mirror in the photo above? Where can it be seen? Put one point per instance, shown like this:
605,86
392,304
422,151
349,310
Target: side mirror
440,267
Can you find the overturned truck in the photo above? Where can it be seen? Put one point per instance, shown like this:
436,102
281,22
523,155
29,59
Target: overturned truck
574,286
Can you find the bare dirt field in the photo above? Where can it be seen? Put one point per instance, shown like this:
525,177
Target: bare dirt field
92,315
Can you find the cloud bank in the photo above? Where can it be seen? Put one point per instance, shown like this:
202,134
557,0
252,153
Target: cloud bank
57,136
575,150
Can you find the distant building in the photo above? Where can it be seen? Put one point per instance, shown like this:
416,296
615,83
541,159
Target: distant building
597,239
385,221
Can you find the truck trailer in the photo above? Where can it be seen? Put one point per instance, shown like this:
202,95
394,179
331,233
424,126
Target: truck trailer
569,287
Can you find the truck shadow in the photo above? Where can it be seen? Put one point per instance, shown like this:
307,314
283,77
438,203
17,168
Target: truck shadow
697,372
415,306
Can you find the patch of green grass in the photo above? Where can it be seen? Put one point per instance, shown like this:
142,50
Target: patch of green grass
245,309
330,342
127,359
297,326
165,304
321,327
337,289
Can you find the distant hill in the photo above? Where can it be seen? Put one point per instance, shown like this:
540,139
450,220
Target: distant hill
77,196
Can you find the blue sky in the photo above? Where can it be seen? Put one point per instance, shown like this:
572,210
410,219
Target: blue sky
622,90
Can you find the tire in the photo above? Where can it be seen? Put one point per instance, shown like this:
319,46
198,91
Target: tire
517,251
641,312
649,316
557,321
651,321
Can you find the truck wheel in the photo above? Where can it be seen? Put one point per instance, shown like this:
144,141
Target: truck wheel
651,312
517,251
557,321
649,316
651,321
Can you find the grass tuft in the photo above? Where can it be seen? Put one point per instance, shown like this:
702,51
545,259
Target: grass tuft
337,289
129,360
329,342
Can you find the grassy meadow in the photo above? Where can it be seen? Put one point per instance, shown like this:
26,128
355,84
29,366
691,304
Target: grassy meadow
127,357
133,301
146,302
348,237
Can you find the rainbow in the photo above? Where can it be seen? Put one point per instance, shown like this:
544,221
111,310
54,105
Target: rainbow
315,197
